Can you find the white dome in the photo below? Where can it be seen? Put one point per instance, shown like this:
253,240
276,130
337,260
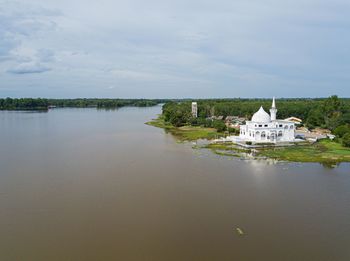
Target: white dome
261,116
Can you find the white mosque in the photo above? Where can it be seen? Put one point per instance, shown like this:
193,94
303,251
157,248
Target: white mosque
265,128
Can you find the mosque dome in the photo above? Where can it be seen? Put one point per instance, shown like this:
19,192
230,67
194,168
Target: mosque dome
261,116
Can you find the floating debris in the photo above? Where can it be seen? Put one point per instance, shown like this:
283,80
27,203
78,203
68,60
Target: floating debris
239,231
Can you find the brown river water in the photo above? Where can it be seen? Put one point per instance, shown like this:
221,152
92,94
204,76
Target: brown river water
87,184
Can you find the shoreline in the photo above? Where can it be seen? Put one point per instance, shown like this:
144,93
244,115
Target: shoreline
186,133
325,151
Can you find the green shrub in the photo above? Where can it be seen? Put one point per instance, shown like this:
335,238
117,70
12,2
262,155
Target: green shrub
233,131
219,125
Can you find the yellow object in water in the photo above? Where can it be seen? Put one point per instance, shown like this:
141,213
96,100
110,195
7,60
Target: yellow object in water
239,231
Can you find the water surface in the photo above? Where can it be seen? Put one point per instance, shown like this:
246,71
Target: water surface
87,184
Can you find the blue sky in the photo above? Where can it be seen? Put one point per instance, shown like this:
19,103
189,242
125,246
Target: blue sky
174,49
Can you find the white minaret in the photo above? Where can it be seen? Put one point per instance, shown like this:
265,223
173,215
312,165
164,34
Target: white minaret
273,110
194,110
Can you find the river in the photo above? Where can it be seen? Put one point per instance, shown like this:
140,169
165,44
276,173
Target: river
88,184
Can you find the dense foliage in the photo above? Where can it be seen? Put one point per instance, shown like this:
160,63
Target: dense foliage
103,103
43,104
346,140
330,113
23,103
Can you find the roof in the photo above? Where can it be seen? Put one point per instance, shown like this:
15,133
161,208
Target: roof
294,119
261,116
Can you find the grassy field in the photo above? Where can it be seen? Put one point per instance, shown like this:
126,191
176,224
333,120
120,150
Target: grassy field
186,132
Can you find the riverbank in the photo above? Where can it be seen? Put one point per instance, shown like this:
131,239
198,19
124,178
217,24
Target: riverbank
186,133
324,151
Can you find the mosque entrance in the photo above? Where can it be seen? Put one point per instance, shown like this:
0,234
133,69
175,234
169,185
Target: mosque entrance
273,137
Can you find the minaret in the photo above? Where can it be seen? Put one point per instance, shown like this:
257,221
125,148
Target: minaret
273,110
194,110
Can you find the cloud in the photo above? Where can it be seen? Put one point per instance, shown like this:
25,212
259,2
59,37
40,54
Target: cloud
28,68
163,48
46,55
19,24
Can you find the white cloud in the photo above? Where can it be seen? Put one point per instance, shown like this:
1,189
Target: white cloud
26,68
19,24
177,48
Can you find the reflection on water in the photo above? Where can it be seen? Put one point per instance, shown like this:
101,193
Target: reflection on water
87,184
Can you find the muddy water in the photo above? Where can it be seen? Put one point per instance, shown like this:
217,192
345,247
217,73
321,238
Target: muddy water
84,184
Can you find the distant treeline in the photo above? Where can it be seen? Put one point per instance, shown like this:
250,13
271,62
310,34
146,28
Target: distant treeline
322,112
104,103
44,104
23,104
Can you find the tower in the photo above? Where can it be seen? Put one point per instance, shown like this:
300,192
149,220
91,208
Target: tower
273,110
194,110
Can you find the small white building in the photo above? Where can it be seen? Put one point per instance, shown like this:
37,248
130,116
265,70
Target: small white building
194,110
265,128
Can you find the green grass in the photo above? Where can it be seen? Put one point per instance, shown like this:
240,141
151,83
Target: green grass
160,123
325,151
189,133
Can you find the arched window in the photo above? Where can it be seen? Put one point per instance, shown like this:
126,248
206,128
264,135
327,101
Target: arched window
291,127
257,133
273,136
286,127
280,134
263,134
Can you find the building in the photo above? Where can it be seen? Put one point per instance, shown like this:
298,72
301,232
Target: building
265,128
217,118
194,110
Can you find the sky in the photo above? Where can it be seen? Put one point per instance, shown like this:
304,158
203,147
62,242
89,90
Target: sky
174,49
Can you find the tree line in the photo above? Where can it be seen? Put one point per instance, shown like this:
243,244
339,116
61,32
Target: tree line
24,104
43,104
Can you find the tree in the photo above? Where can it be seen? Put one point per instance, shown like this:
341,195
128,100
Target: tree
346,117
219,125
333,120
346,140
332,108
315,118
332,104
341,130
233,131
